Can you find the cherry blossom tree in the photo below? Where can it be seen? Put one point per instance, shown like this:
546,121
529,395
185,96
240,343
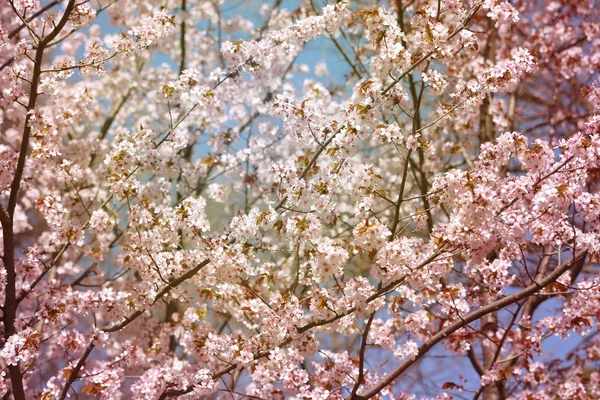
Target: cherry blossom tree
194,205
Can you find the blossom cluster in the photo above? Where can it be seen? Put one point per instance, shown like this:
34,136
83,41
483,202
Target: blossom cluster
201,205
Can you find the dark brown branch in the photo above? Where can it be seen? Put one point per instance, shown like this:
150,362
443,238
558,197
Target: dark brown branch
475,361
10,304
34,16
75,371
23,25
182,37
474,316
361,356
172,284
33,93
7,214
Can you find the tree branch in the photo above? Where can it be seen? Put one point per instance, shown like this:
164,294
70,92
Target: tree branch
473,316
